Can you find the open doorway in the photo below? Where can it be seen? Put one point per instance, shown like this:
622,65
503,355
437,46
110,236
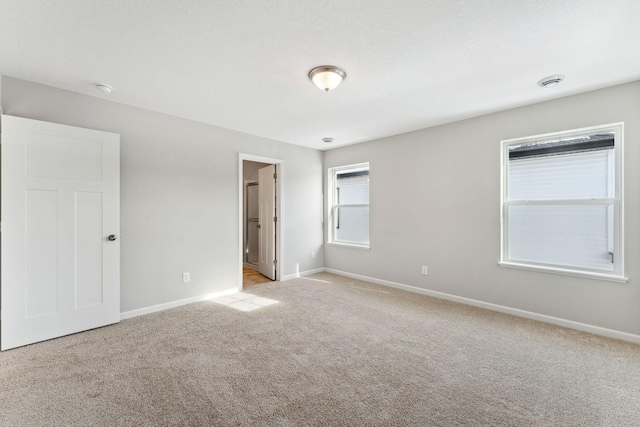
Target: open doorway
260,218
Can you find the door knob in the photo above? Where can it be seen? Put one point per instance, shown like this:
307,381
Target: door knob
112,237
258,225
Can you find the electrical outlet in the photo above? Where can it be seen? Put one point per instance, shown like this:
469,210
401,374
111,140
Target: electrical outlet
424,270
313,255
186,277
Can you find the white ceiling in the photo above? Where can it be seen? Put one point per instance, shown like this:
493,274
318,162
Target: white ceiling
243,64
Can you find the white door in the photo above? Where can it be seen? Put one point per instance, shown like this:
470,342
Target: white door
60,205
267,221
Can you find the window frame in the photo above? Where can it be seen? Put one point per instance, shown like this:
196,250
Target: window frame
332,173
617,275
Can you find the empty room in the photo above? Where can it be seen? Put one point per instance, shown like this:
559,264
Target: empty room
355,213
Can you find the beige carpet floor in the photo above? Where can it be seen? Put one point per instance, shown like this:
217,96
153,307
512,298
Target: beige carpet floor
331,352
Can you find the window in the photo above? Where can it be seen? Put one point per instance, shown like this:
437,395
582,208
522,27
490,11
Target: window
349,205
562,202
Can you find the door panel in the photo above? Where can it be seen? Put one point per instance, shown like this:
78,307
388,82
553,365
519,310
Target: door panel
60,201
266,215
88,262
75,158
41,257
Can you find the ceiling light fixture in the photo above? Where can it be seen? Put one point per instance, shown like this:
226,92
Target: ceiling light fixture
327,77
104,88
551,81
327,140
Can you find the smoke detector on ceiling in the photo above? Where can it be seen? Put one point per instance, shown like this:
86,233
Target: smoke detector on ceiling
327,140
104,88
551,81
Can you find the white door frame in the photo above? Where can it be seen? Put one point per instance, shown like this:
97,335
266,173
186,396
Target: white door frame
279,204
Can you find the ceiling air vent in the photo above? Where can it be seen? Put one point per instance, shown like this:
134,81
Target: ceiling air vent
551,81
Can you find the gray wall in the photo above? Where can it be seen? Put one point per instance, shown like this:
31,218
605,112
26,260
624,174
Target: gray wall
434,201
179,193
435,196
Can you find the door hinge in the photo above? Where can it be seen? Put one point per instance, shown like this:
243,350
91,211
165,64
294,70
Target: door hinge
275,219
275,262
275,176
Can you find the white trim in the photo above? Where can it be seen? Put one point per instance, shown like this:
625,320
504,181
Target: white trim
259,159
173,304
596,330
565,271
553,202
279,209
571,132
350,245
303,273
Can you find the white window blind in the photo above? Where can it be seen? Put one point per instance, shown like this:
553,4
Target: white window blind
567,176
562,234
353,190
571,235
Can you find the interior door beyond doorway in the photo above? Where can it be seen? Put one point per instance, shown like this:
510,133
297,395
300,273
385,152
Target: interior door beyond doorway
267,262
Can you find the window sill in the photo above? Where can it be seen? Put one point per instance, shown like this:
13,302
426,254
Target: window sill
566,272
349,245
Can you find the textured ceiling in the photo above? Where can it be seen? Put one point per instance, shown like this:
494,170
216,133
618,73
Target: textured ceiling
243,64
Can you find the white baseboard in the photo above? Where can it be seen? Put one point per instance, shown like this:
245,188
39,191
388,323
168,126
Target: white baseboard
596,330
173,304
303,273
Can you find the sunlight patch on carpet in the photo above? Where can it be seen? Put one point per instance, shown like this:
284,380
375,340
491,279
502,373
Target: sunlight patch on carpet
244,302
